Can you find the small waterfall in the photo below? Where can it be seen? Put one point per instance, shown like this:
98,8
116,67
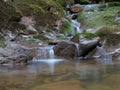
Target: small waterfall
45,56
45,52
75,26
77,47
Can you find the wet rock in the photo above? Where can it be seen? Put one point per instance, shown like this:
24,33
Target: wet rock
87,46
71,49
18,59
76,8
116,54
4,60
16,53
75,39
31,30
65,49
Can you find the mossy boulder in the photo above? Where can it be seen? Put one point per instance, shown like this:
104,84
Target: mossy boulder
41,37
111,34
81,36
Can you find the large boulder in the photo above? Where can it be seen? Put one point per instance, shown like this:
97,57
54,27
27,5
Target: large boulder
76,8
65,49
16,53
71,49
85,47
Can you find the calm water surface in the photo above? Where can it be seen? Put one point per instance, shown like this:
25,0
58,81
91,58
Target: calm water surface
61,75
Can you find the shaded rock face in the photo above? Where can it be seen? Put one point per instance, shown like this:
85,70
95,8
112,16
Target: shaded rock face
86,47
71,49
65,49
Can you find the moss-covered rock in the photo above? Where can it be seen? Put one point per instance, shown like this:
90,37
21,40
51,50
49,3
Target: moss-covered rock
41,37
94,20
77,37
112,35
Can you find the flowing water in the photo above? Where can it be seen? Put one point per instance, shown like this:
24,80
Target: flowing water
75,26
90,6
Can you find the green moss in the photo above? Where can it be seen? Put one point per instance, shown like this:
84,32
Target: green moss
66,27
63,38
36,7
104,6
41,37
110,34
112,4
101,18
104,31
3,46
89,10
86,35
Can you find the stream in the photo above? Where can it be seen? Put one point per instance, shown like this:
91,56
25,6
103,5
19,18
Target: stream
52,73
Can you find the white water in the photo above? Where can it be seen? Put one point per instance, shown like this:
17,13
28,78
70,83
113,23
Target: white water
39,65
45,60
75,27
91,6
45,53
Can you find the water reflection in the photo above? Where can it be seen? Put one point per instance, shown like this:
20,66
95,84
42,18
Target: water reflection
68,75
39,65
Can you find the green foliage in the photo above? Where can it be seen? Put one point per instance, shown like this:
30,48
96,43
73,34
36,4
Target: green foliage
8,15
112,4
85,1
63,38
108,5
37,8
101,18
66,27
64,3
87,35
81,17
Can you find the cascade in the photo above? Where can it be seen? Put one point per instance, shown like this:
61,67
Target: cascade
90,6
72,15
45,56
75,26
45,52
